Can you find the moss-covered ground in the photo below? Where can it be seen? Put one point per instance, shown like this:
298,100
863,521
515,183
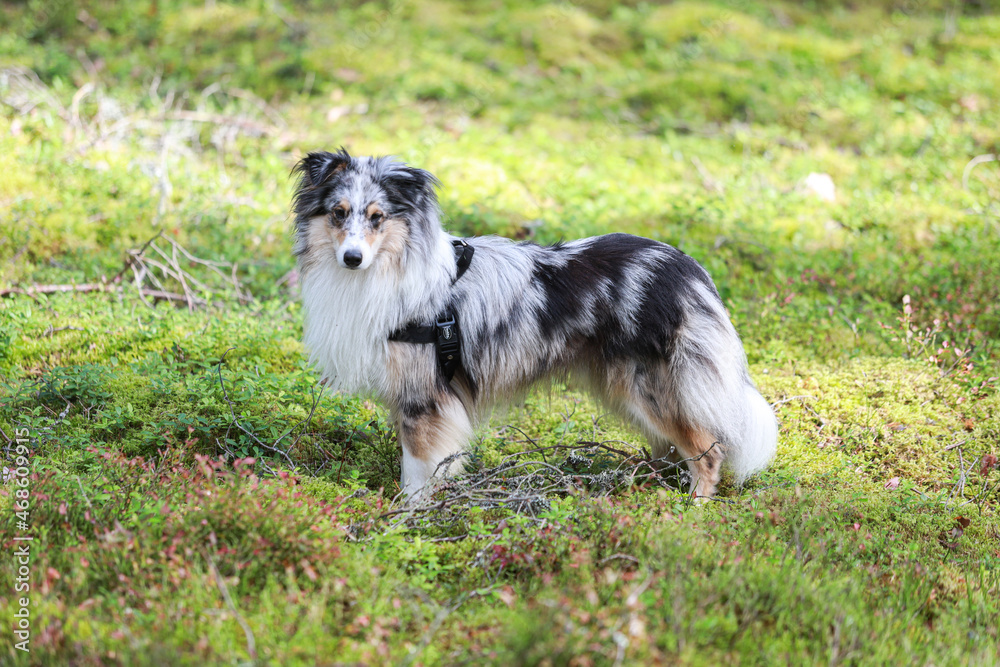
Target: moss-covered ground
194,498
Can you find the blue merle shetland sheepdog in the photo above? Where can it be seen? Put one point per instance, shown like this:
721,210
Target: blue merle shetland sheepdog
639,321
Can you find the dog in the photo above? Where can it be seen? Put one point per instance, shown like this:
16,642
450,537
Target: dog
640,322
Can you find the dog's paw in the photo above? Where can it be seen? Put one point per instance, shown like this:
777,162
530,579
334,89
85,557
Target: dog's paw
700,500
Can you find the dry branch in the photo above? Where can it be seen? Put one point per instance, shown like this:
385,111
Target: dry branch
159,273
96,287
526,485
244,124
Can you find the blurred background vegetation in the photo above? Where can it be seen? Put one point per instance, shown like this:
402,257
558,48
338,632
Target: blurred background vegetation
695,123
870,315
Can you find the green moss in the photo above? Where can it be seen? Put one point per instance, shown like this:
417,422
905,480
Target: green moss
872,538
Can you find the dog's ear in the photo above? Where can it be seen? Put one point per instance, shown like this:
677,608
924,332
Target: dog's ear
319,167
410,188
314,170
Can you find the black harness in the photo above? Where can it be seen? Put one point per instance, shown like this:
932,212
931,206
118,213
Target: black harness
444,333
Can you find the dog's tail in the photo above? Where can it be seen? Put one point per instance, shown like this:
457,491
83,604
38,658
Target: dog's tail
716,393
754,446
732,411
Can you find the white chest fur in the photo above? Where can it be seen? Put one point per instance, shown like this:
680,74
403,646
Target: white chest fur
350,314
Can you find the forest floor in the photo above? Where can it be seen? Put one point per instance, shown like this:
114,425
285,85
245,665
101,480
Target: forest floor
193,497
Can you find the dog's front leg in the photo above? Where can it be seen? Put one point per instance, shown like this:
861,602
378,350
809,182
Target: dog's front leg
430,432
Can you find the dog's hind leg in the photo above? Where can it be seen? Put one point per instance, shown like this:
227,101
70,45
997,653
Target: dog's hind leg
695,446
667,460
649,399
430,432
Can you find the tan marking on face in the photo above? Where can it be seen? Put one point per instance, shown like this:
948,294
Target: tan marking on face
388,242
344,204
374,231
322,238
336,228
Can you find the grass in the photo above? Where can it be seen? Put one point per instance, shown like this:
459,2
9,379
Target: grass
195,498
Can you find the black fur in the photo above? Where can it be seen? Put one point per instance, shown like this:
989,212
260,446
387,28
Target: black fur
409,189
315,171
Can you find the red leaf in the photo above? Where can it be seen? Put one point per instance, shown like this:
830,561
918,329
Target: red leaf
989,462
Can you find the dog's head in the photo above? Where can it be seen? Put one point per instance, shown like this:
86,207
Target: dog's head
357,211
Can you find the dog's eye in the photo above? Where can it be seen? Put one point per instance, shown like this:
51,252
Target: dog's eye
339,215
377,219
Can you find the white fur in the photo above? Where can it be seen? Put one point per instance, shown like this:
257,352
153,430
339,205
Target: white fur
759,440
355,241
349,315
452,439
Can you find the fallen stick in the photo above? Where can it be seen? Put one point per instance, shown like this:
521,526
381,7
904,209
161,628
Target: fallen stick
99,287
216,119
52,289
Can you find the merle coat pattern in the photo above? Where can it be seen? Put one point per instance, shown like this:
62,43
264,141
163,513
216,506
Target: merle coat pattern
638,320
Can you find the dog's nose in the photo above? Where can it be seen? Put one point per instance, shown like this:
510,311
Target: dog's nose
352,258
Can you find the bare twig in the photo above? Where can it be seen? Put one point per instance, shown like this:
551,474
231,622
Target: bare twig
236,421
221,584
707,180
49,332
162,278
979,159
23,91
955,444
791,398
526,486
631,559
244,124
92,287
963,475
52,289
134,253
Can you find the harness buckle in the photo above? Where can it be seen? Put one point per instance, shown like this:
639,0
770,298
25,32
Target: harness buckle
447,343
447,331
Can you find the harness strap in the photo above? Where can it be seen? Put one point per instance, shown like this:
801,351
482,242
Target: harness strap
463,257
444,333
414,333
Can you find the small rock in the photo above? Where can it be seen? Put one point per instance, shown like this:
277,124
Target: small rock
820,185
